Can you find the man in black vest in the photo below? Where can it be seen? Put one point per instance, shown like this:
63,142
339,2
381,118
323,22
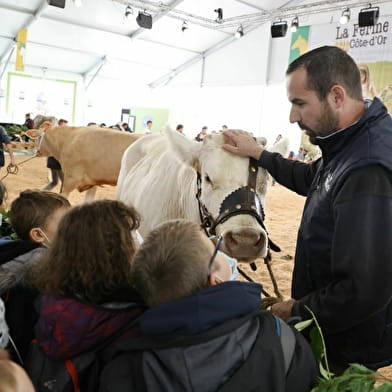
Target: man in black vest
343,258
204,332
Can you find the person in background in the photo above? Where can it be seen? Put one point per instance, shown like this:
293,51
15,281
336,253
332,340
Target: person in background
342,262
126,127
200,137
5,141
368,89
62,123
148,129
29,123
56,172
180,129
224,128
291,155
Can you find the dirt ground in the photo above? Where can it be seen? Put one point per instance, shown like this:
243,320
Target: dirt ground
283,212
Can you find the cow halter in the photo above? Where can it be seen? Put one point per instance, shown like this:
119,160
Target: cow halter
244,200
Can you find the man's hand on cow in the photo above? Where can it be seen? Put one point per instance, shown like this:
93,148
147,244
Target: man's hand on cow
244,144
283,309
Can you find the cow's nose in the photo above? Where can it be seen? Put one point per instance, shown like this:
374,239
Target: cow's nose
246,243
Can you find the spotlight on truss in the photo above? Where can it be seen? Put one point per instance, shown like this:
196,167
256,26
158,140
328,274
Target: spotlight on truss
239,33
184,26
219,18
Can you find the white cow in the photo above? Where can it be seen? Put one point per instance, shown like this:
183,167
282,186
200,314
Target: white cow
158,176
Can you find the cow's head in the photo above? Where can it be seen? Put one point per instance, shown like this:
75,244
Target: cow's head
222,173
41,131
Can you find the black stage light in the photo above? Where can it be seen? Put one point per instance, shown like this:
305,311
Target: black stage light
144,20
368,16
219,18
57,3
278,29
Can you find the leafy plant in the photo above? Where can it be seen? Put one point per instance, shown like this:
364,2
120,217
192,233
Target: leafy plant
15,129
356,378
5,226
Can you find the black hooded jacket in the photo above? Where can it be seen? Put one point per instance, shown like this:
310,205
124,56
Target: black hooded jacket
343,262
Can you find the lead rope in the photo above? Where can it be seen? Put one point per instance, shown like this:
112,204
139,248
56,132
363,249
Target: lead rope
14,169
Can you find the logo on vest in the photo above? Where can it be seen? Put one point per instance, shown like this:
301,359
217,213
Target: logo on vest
327,183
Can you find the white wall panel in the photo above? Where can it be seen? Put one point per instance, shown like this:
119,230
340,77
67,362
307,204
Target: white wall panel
244,62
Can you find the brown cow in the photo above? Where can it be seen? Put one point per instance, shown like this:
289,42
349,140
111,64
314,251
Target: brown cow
89,156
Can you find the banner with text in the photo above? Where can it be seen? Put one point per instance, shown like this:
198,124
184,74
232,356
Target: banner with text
369,47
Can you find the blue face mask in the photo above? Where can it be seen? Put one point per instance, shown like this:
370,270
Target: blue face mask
47,241
233,265
139,237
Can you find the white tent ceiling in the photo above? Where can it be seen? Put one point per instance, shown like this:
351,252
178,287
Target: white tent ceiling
98,38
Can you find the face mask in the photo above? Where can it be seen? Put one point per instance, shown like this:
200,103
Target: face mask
233,265
46,243
139,237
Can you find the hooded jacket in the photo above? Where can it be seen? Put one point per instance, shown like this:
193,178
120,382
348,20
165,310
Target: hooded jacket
68,327
201,342
342,264
16,259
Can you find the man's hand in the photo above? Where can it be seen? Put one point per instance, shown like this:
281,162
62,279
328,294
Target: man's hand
283,309
244,144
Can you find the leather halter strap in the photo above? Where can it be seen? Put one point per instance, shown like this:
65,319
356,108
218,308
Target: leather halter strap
244,200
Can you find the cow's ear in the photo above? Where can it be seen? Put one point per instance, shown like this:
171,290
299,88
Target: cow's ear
262,141
282,147
186,150
45,126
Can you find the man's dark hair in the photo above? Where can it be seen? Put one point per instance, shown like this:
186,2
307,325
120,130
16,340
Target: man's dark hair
149,122
327,66
179,126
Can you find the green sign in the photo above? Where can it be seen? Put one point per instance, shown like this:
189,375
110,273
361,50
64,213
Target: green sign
299,42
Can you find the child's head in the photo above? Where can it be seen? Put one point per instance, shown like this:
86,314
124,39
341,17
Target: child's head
35,215
92,252
173,262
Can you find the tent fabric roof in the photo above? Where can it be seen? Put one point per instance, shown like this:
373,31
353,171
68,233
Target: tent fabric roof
97,37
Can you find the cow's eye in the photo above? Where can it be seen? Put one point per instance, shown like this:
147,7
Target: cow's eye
208,179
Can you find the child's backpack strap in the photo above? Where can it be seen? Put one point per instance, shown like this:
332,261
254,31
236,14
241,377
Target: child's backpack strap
288,341
80,373
263,370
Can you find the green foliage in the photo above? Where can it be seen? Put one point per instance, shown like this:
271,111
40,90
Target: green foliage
357,378
5,227
15,129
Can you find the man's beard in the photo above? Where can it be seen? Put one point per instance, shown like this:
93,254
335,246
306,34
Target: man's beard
327,124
